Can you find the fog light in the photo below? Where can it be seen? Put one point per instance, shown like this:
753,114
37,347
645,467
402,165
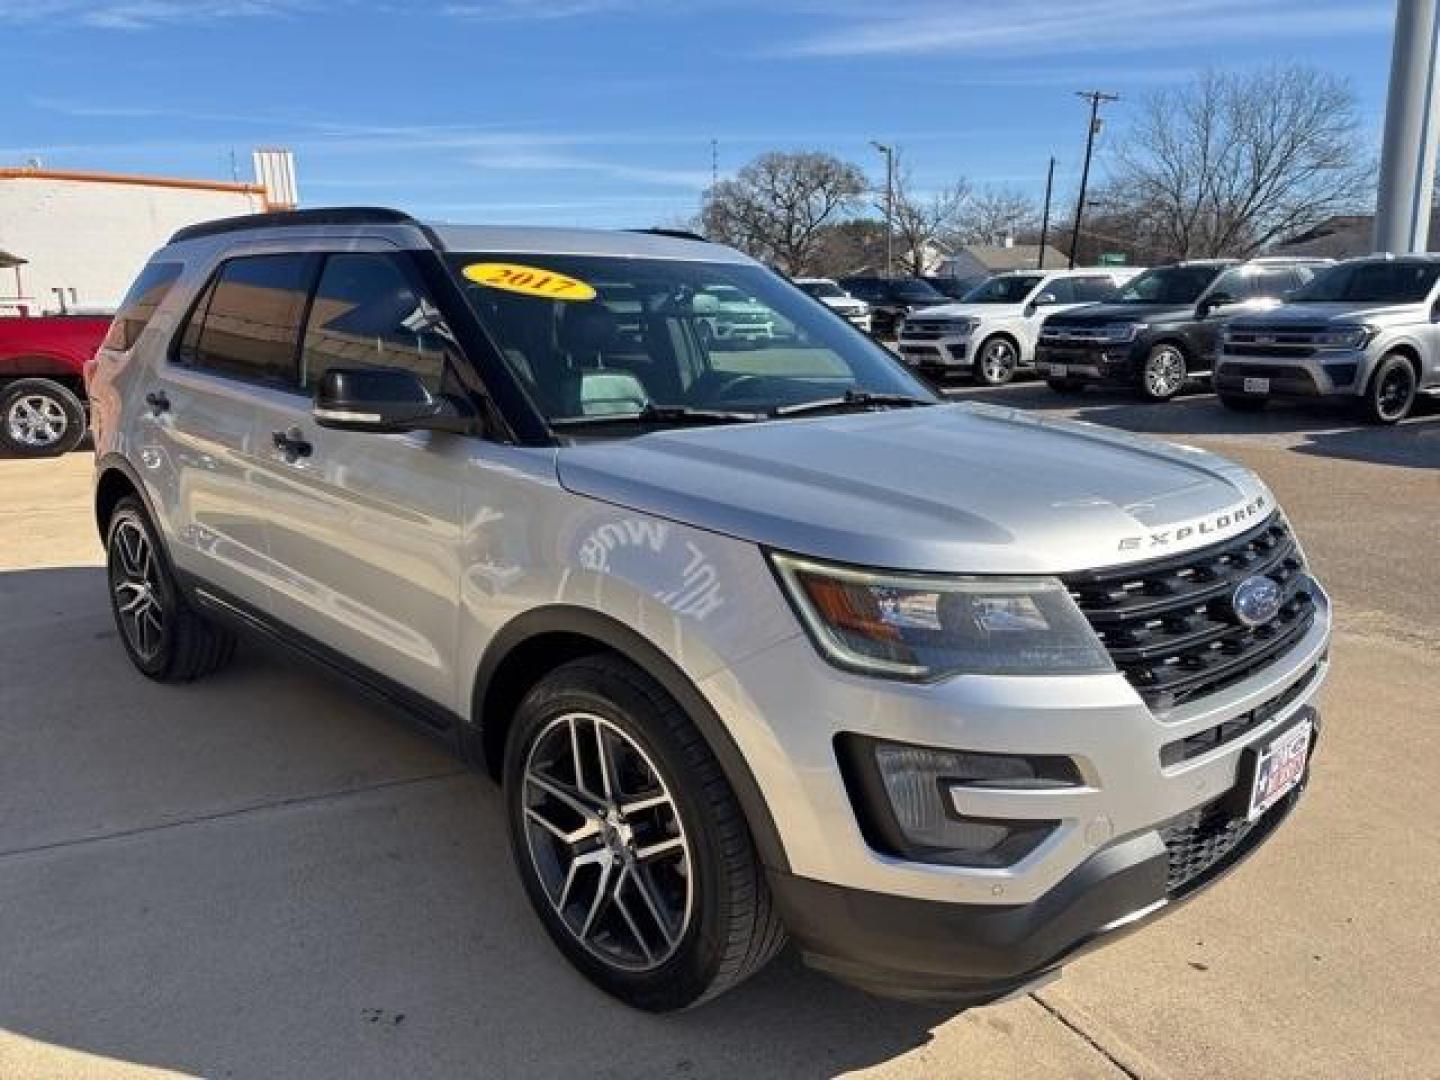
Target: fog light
903,795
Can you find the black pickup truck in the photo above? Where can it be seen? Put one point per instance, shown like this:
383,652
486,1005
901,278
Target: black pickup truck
1164,328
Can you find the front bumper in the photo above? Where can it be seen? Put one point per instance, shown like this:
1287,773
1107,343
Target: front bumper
937,355
1333,373
976,953
1115,363
976,932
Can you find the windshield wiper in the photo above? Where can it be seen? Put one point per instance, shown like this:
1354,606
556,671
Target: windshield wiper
655,414
851,401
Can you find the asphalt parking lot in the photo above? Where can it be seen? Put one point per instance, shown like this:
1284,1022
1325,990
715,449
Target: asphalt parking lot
265,875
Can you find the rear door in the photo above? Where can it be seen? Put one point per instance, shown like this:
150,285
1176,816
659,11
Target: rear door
199,432
364,529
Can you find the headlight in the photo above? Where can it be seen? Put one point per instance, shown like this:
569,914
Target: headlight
1123,331
923,628
1351,337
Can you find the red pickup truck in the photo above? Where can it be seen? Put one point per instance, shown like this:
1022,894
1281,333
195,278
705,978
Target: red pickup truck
42,386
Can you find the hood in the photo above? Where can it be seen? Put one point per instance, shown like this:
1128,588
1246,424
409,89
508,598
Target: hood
973,311
1105,314
959,488
1347,313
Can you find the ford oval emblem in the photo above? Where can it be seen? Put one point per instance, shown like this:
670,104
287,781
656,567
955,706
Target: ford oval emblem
1256,600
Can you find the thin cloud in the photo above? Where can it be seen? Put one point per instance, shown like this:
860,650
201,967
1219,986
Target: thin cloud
142,14
1039,27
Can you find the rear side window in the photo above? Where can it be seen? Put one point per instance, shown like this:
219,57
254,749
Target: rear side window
247,326
368,312
1062,289
139,305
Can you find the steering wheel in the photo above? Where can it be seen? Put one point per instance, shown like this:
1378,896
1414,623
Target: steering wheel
725,388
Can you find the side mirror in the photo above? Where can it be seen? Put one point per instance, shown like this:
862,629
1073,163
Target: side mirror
1213,301
385,401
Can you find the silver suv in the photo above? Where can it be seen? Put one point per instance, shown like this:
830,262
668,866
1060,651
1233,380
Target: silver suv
761,643
1366,330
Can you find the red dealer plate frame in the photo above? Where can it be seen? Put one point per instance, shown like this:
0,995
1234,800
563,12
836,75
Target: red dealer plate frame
1278,767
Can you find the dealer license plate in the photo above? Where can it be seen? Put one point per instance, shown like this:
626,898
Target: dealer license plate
1257,386
1280,766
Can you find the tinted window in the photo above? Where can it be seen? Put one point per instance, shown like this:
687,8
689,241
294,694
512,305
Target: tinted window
1169,285
1399,282
369,313
1090,290
1253,284
140,303
248,326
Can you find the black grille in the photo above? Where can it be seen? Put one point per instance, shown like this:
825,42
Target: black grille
1202,742
1199,840
1169,624
1262,371
1281,352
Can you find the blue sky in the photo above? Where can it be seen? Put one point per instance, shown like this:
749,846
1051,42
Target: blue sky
601,112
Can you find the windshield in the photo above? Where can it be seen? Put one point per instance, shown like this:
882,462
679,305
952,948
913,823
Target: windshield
1169,285
913,290
595,336
823,288
1004,290
1371,283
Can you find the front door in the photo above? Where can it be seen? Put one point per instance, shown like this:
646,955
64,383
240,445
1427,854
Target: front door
364,529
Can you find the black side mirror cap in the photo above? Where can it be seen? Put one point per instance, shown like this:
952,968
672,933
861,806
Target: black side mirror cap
385,401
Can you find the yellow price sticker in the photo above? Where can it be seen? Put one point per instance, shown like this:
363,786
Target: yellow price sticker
529,281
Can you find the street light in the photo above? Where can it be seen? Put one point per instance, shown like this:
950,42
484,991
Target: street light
889,153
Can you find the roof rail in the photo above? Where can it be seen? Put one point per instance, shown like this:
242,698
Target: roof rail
276,219
674,234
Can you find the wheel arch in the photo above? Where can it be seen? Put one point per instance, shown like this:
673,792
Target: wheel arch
1407,349
535,643
1186,348
116,478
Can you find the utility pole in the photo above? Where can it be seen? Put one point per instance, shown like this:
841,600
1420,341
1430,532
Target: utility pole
1407,161
1045,219
889,152
1096,98
714,164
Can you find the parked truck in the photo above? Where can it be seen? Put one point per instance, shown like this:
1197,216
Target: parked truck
42,385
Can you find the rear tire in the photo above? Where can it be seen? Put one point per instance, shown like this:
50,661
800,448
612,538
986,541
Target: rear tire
165,638
1236,403
1391,393
40,418
658,931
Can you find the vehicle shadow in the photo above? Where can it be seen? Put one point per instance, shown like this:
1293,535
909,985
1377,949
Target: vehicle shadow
1322,428
265,875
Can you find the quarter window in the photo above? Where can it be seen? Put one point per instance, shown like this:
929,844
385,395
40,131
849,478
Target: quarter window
368,313
1090,290
139,305
248,325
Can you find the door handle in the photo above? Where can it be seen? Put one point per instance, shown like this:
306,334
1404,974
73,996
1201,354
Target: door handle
158,401
292,444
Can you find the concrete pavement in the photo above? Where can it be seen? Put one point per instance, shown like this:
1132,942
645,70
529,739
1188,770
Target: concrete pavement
266,875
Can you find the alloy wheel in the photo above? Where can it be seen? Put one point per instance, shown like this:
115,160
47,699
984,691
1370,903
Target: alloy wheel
1392,396
1165,372
135,582
997,363
605,838
36,421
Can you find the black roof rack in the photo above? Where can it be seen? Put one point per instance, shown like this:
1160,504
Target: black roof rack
674,234
274,219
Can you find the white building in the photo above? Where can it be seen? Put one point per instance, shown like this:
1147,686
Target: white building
76,240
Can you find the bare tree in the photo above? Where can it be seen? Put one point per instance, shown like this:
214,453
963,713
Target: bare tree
995,214
1234,162
923,220
855,246
776,206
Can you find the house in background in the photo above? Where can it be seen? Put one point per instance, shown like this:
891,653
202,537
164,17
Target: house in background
1342,237
982,260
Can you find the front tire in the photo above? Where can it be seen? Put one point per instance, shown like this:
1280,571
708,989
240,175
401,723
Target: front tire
997,361
629,842
1391,393
163,636
40,418
1163,373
